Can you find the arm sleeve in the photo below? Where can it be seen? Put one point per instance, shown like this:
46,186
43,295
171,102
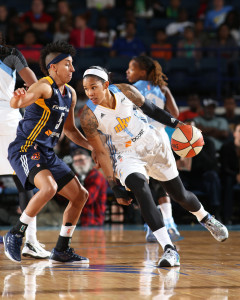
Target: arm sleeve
18,60
158,114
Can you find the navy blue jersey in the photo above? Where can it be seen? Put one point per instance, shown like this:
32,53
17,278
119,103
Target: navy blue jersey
43,120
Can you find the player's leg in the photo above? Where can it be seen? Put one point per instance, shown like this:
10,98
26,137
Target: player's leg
47,186
190,202
77,196
138,184
32,248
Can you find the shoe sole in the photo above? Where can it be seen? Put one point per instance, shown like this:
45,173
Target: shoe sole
165,263
82,262
8,255
34,256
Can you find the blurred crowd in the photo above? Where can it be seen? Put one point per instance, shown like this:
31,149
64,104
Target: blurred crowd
197,44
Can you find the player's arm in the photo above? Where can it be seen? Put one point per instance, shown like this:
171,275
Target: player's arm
170,105
70,128
148,107
28,76
89,124
22,98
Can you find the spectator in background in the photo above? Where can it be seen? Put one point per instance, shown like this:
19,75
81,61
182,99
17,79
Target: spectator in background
173,9
100,4
233,22
177,27
194,109
188,44
63,21
39,20
3,19
93,214
129,45
230,113
30,48
229,158
215,17
224,44
104,35
201,173
216,128
200,34
161,48
82,36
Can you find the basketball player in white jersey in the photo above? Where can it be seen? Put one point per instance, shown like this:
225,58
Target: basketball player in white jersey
138,151
148,78
12,61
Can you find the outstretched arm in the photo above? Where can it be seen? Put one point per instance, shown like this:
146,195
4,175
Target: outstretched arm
70,128
148,108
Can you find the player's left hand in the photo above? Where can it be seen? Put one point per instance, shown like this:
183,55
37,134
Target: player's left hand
123,201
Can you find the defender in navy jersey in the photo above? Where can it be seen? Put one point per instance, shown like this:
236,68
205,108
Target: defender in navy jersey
11,62
49,111
138,151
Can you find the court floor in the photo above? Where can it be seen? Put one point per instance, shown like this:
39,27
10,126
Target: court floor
123,266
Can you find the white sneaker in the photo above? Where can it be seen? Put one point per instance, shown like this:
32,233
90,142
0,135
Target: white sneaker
35,250
217,229
170,257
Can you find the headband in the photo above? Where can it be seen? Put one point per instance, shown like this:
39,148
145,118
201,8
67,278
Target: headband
58,59
96,72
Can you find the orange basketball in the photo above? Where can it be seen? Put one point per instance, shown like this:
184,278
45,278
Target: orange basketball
187,141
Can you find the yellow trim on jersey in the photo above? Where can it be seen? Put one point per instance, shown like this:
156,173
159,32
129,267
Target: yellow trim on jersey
49,79
39,126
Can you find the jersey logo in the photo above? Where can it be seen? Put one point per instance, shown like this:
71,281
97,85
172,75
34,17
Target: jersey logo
48,132
128,144
102,115
123,123
35,156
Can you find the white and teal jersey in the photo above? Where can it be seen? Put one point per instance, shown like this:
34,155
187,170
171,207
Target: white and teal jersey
154,94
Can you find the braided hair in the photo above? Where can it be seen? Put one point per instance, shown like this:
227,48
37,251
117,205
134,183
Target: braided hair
153,69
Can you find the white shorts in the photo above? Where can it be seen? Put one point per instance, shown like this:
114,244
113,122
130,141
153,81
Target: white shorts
8,127
151,156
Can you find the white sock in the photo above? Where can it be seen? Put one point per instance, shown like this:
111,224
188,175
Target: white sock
200,214
166,209
25,219
163,237
31,232
67,231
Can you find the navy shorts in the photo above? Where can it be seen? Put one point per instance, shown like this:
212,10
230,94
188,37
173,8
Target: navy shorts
37,157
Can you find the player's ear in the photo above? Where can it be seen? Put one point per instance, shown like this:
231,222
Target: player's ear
106,84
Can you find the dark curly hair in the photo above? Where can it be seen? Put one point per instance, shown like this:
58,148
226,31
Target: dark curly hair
55,48
153,69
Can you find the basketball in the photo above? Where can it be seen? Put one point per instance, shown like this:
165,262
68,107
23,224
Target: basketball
187,141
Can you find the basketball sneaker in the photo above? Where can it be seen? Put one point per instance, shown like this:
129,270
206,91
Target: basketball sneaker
67,256
217,229
170,257
12,246
1,239
172,230
35,250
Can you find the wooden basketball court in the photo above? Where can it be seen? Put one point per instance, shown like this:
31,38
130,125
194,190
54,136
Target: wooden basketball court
123,266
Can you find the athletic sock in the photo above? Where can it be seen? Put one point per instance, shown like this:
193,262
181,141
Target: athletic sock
31,232
64,239
200,214
163,237
166,209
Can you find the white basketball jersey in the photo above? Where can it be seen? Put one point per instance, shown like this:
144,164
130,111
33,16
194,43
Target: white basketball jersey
7,85
122,126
